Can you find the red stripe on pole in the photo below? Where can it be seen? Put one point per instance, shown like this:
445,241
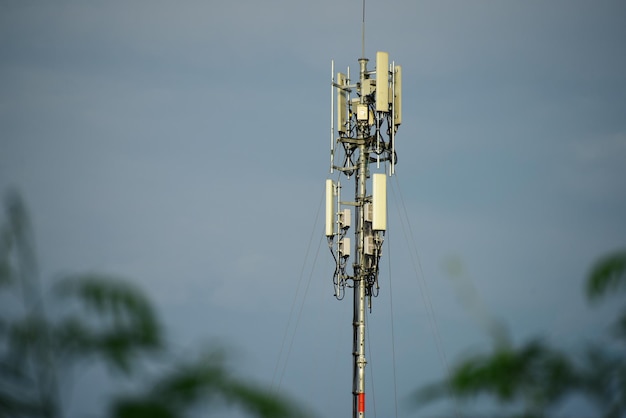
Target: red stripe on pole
361,402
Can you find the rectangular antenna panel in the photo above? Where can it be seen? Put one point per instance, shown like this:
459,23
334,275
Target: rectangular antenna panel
344,247
382,82
367,212
368,87
397,93
346,218
342,99
369,245
330,208
362,112
379,202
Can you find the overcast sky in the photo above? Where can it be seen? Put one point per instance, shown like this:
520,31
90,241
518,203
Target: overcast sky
185,145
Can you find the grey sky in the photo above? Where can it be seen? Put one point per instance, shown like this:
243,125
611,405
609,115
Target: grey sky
185,145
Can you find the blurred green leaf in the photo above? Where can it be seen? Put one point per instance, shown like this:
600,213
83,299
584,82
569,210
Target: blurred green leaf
6,244
127,324
533,369
18,406
604,380
204,380
607,275
20,236
259,402
142,409
533,375
18,220
190,382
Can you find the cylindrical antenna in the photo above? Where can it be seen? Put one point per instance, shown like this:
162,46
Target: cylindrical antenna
363,33
332,115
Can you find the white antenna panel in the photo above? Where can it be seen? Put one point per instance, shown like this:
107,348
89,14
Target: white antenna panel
368,212
330,208
368,245
368,87
342,98
379,202
344,247
397,93
382,81
346,218
362,112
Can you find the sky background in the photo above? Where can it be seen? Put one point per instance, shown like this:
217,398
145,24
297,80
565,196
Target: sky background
185,145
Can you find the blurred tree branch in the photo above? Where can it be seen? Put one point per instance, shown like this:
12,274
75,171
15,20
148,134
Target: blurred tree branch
106,319
532,380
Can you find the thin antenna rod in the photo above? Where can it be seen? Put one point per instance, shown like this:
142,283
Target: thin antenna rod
363,33
332,115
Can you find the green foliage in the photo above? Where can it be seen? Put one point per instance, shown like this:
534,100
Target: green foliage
198,382
607,275
127,325
534,379
106,319
533,372
604,380
533,375
606,371
6,274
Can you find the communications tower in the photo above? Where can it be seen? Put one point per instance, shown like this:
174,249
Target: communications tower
365,115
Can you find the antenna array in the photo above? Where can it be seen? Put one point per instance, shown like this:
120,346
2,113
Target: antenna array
364,135
363,128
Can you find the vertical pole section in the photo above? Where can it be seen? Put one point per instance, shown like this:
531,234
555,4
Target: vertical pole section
360,361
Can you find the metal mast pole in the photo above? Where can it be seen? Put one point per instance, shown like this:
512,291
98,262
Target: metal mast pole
360,361
366,126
